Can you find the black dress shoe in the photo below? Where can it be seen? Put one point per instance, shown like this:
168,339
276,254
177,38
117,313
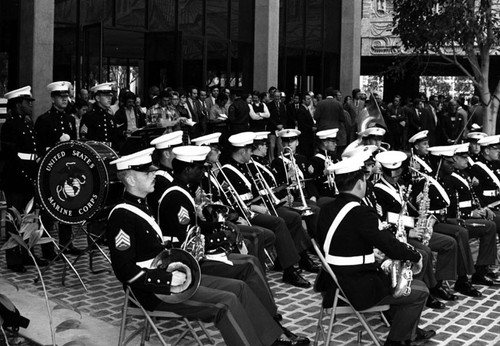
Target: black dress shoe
17,268
482,280
466,288
295,279
290,338
308,265
433,303
71,250
424,334
442,293
278,317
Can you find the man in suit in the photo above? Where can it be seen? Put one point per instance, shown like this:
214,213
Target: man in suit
354,108
277,119
347,233
429,119
306,125
329,114
414,115
194,108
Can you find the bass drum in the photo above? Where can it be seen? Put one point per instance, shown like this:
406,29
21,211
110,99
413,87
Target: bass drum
76,182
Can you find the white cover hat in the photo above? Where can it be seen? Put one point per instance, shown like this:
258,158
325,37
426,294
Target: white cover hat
363,152
330,133
261,136
167,140
24,92
422,135
60,86
207,139
348,165
288,133
476,135
391,159
140,161
104,88
461,148
191,153
489,140
372,131
242,139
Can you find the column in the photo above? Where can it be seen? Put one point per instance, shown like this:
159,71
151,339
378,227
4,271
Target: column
350,46
36,50
266,46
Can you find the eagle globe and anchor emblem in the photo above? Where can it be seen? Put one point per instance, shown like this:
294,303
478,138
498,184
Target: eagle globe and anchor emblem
74,179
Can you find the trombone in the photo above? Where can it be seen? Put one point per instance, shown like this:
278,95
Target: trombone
304,209
265,191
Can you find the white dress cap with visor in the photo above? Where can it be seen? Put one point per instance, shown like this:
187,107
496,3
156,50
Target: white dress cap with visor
167,140
191,153
325,134
241,140
140,161
391,159
212,138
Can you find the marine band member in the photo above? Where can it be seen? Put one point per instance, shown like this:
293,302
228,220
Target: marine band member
134,241
390,195
288,246
347,233
474,147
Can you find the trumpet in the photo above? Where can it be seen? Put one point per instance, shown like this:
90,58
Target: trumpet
330,176
232,197
304,209
265,191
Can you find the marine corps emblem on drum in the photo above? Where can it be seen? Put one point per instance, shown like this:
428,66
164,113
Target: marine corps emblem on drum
76,182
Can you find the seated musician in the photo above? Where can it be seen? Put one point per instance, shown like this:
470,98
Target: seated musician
391,195
472,137
134,241
347,234
257,239
291,244
465,209
327,146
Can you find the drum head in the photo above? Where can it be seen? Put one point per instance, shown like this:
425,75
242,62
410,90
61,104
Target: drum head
73,180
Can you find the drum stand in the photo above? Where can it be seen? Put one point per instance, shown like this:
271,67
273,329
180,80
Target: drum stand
92,240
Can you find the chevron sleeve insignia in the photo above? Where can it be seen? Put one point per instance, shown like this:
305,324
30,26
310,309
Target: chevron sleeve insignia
183,216
122,241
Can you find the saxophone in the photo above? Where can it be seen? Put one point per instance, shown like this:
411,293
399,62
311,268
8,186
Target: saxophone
425,221
401,271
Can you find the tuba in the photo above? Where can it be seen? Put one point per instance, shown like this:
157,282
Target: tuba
304,209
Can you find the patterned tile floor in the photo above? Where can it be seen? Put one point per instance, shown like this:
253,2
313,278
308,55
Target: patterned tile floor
468,321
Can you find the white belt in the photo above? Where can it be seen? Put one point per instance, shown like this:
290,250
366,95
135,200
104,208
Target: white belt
145,264
26,156
465,204
490,193
246,196
169,238
351,260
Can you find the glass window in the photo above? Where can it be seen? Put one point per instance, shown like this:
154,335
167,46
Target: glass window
161,15
191,17
123,44
332,26
192,59
92,11
65,11
295,24
242,20
217,17
314,23
216,62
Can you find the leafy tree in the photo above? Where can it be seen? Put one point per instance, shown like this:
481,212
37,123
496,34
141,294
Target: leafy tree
462,32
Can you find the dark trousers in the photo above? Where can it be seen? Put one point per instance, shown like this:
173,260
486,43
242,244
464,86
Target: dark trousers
233,307
406,311
18,200
285,247
247,269
293,222
465,263
261,238
446,261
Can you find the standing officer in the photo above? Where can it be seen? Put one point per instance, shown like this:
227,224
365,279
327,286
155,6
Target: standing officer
135,240
347,233
19,173
53,127
99,124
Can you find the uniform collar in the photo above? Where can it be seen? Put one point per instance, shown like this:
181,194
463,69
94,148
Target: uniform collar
139,202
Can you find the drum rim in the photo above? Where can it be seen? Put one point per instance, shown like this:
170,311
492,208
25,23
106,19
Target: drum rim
103,169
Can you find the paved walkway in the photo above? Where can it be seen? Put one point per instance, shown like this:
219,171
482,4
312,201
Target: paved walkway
93,317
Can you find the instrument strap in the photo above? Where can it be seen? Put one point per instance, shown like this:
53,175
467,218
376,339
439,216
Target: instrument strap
422,163
489,172
139,212
385,186
241,175
335,224
461,179
321,156
265,169
165,174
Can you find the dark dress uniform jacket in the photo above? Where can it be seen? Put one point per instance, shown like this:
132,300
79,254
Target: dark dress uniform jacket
320,179
357,234
18,136
305,125
50,127
462,198
131,240
101,125
488,188
278,170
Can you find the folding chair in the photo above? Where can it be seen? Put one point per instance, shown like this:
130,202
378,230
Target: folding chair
150,317
346,308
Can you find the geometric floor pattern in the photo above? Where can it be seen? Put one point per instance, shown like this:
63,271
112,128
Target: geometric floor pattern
468,321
